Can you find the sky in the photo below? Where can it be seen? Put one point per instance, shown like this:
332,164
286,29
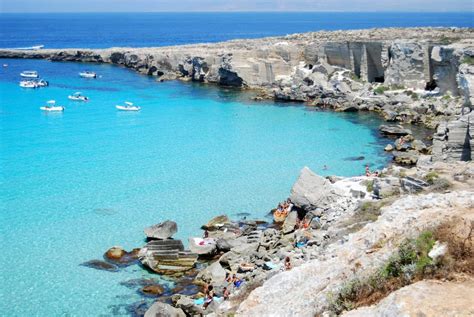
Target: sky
233,5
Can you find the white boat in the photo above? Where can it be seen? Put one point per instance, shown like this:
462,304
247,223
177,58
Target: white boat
77,96
28,84
36,47
29,74
128,107
5,65
88,74
41,83
51,106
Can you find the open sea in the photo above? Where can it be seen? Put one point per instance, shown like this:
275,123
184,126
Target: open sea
74,184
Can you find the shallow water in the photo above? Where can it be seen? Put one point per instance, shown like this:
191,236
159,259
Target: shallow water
74,184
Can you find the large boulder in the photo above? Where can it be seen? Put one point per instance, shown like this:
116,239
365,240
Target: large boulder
312,191
214,274
290,222
159,309
164,230
216,223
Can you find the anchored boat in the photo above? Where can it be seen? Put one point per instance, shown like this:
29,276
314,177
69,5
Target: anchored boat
51,106
77,96
41,83
29,74
128,107
28,84
88,74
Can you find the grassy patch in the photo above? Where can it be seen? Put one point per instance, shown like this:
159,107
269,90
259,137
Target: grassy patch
370,185
440,184
446,98
446,40
468,60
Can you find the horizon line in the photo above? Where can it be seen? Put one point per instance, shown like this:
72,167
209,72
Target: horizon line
240,11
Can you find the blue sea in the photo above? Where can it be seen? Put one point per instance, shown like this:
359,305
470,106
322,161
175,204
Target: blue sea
98,30
74,184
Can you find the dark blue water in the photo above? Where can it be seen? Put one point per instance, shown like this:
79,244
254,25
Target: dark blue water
96,30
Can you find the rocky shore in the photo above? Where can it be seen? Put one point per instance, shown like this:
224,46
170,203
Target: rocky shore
366,245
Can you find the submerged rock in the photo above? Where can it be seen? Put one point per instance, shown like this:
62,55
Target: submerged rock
119,256
152,290
101,265
164,230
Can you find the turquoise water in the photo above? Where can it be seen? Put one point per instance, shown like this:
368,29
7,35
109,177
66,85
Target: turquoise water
74,184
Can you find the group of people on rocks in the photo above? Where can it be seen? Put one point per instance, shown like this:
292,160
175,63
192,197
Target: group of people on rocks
368,173
232,282
285,206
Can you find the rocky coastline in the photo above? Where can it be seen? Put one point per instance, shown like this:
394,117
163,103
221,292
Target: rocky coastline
363,245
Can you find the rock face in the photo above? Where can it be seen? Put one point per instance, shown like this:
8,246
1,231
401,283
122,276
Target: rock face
164,230
312,191
425,298
454,140
304,290
409,57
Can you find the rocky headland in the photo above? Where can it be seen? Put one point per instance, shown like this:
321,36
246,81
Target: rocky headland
395,242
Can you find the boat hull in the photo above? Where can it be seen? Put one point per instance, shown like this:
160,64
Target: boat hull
29,75
123,108
52,109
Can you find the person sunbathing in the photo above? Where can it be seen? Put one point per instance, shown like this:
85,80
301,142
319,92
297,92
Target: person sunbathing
287,263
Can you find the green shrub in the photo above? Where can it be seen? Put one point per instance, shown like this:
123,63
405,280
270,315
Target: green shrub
468,60
446,97
414,96
380,90
430,177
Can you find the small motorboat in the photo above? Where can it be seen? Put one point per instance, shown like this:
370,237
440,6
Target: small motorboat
34,48
28,84
5,65
128,107
29,74
41,83
51,106
88,74
77,96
